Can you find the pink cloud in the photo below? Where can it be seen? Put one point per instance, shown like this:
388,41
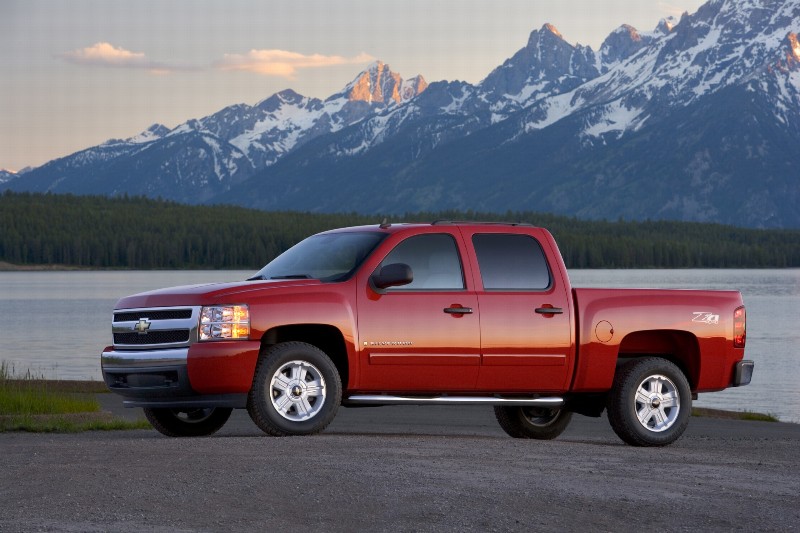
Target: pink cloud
284,64
105,54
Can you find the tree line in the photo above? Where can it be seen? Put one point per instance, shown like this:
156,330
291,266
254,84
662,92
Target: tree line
141,233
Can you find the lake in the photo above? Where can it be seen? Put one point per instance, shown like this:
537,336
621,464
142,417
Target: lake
56,323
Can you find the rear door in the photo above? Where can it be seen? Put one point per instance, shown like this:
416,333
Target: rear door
524,309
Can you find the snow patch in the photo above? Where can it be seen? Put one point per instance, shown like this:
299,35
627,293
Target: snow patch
554,108
527,92
616,117
454,107
183,128
153,133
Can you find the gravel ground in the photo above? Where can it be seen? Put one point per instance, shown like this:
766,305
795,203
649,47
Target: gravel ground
402,469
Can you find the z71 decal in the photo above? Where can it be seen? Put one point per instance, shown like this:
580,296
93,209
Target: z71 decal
704,317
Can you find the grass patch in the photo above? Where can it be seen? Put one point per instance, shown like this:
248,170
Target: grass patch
760,417
16,399
27,395
733,415
31,403
68,424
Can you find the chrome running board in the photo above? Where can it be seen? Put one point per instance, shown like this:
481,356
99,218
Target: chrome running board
381,399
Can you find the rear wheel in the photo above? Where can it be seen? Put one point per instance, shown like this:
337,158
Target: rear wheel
650,402
188,422
296,390
543,423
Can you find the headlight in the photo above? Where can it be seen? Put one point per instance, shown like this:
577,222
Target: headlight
224,322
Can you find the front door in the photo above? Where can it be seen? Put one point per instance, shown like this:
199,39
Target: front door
422,337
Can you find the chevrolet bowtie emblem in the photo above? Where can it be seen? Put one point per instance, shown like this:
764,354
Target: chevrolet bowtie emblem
142,326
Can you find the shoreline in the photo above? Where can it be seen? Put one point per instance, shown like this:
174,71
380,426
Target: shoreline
10,267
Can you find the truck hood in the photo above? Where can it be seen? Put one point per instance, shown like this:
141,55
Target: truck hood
208,293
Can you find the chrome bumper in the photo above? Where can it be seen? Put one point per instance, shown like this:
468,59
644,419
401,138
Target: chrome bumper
147,373
743,373
146,358
158,379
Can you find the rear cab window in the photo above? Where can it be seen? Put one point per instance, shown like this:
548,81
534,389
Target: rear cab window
511,262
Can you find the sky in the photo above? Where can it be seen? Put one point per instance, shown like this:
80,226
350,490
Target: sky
75,73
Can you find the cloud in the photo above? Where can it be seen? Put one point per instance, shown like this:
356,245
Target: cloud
107,55
284,64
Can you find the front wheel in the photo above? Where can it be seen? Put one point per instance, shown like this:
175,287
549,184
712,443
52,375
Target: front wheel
541,423
296,390
650,402
188,422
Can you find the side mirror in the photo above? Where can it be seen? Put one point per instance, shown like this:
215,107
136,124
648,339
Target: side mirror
393,275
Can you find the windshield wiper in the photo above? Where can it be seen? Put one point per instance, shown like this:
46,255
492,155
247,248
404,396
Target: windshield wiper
255,278
293,276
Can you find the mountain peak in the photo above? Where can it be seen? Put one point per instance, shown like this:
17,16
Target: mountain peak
274,102
546,32
552,29
378,84
666,25
630,31
376,66
622,43
154,132
158,129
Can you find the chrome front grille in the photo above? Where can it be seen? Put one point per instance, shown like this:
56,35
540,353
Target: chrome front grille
154,337
155,327
152,314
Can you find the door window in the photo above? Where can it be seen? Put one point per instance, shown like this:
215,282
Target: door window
511,262
433,259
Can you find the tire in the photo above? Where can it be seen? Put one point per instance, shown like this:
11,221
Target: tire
296,390
540,423
188,422
650,402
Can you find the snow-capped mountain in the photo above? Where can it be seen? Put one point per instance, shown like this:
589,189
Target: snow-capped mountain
286,120
6,175
725,43
204,157
698,119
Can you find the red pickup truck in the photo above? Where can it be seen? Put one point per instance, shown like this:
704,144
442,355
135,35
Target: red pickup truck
442,313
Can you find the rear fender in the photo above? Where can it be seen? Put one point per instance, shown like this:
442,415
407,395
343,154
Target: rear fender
679,347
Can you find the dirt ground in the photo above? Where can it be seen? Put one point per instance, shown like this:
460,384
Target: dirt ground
402,469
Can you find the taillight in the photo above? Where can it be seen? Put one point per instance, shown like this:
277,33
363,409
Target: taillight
739,327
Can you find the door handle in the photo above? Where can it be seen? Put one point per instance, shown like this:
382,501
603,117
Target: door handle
458,310
549,310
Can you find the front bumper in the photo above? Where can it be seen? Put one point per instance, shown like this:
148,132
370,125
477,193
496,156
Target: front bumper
743,373
158,378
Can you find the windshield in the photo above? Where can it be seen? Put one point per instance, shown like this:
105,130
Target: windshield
326,257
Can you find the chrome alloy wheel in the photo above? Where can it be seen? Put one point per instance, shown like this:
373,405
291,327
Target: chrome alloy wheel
657,403
298,391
